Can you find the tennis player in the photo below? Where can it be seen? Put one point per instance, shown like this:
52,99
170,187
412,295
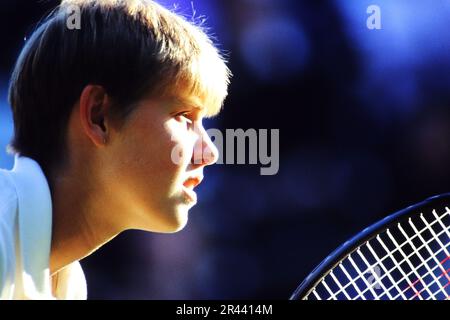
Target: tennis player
98,112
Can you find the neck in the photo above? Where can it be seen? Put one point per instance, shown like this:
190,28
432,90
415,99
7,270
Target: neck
82,212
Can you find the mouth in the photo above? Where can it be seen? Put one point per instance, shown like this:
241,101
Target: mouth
189,195
188,188
192,182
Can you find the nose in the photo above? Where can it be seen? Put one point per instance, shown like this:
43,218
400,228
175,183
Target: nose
205,152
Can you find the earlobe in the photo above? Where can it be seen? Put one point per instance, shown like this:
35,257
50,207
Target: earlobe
94,107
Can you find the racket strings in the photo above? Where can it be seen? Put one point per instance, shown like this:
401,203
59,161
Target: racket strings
397,266
439,264
410,261
386,290
414,270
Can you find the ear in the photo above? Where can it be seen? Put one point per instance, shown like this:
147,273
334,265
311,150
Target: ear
94,108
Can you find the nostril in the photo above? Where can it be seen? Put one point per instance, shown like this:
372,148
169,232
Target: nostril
212,154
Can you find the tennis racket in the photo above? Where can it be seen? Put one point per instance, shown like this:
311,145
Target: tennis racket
405,256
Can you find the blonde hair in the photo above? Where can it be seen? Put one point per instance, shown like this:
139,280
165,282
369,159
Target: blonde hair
194,63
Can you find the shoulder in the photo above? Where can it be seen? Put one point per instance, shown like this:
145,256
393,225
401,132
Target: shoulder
8,210
8,195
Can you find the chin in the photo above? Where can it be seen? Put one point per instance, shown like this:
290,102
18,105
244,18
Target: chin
175,222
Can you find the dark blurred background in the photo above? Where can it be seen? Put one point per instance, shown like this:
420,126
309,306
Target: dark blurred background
364,119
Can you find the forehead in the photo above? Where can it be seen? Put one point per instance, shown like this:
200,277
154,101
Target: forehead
196,95
188,101
185,99
182,98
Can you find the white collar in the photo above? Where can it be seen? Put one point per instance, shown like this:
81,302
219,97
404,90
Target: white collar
34,234
35,224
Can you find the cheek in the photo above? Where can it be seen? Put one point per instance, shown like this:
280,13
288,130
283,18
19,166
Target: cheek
145,149
156,155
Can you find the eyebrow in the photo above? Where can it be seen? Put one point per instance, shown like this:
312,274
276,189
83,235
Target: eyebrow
193,103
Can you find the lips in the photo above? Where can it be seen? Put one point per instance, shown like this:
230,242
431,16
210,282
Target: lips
189,185
192,182
190,195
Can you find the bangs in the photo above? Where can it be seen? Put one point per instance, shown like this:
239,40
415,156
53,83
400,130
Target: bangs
197,65
207,77
189,60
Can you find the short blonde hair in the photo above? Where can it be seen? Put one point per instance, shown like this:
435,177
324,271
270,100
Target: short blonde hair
192,59
133,48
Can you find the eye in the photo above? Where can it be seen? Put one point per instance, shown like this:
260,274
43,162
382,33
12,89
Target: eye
185,117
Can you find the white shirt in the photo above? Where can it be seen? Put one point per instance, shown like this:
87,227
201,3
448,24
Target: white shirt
25,238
